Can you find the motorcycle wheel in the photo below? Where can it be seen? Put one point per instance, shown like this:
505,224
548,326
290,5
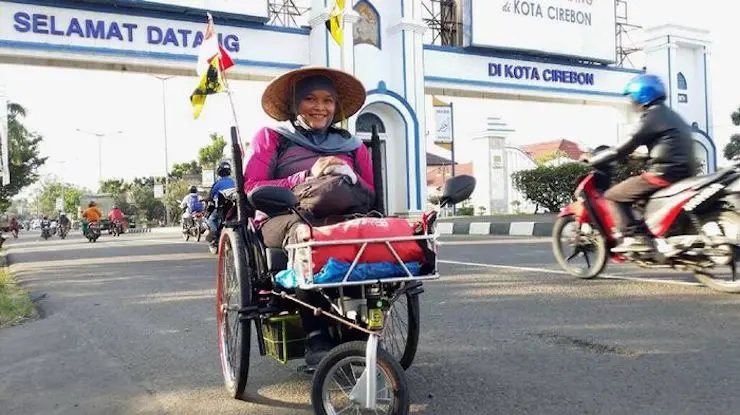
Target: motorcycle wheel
729,224
198,233
587,240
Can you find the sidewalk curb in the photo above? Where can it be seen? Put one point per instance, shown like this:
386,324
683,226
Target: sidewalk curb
496,228
171,229
139,230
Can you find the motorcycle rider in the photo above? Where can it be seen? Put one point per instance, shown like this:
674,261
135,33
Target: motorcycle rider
45,224
224,182
190,204
116,216
670,158
14,225
64,222
91,214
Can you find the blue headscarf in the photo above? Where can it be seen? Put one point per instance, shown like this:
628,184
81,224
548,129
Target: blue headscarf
327,139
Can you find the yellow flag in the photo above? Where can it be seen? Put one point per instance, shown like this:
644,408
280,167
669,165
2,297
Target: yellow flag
334,24
210,83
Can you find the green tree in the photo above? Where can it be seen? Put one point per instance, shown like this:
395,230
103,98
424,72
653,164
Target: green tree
732,149
549,186
147,205
178,190
52,190
114,186
20,208
23,155
181,170
210,155
147,181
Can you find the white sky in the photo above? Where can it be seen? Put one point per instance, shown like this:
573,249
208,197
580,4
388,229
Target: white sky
61,100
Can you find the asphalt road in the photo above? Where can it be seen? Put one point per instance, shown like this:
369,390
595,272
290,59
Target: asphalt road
128,327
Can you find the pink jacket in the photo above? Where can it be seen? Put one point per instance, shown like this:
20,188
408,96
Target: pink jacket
265,169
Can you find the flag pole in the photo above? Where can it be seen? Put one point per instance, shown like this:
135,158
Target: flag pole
228,89
345,122
237,148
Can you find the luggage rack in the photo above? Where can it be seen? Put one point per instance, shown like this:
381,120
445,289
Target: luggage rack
302,262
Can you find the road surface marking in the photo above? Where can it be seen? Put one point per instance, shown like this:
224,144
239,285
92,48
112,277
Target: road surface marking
554,271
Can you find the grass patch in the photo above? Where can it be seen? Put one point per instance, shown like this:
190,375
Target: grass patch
15,305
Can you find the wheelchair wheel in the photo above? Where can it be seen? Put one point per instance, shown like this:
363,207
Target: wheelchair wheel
339,371
233,292
401,335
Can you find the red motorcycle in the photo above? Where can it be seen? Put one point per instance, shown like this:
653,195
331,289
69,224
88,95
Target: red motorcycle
694,224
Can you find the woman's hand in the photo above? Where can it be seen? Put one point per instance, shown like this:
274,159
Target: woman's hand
323,163
342,169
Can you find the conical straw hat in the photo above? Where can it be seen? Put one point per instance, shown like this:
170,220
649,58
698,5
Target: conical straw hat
278,96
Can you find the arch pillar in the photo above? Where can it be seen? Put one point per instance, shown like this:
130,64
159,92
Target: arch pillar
403,145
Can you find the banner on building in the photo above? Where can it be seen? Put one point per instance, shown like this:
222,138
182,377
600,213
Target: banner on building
443,121
582,29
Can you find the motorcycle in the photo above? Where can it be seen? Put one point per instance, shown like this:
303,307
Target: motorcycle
196,228
93,231
46,231
63,231
116,228
694,225
14,229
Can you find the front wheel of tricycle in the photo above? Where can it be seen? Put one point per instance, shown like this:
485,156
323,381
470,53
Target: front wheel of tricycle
338,374
584,240
233,292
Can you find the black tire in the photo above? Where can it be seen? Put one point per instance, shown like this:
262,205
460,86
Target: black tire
599,243
198,233
356,349
234,356
406,356
726,219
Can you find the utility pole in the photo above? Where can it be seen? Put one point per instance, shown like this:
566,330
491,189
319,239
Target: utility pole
164,127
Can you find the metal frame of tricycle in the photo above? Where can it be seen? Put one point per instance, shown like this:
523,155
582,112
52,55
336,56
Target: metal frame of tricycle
302,251
367,381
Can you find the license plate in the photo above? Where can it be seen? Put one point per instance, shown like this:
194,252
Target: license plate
375,318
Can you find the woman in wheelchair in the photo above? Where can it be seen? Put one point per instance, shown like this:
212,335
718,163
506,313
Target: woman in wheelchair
313,100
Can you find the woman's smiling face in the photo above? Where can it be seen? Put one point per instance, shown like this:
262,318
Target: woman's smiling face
317,108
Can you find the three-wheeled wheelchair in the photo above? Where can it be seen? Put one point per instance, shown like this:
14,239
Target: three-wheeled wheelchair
357,373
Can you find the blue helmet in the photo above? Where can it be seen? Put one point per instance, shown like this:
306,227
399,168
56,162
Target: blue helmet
645,89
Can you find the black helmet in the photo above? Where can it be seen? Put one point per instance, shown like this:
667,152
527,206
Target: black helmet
193,189
224,169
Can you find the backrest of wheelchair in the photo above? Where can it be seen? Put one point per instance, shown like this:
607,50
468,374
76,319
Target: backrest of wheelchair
377,160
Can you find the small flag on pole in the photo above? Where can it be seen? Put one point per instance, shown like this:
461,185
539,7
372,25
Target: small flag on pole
213,60
210,83
334,24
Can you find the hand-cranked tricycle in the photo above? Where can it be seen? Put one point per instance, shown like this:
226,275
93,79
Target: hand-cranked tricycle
366,368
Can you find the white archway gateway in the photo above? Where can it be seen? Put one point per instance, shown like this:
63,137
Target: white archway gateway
530,57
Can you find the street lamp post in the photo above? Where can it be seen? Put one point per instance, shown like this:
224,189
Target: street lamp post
100,149
166,161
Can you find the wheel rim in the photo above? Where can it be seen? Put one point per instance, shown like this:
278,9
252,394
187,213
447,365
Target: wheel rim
342,377
228,310
579,241
396,333
724,281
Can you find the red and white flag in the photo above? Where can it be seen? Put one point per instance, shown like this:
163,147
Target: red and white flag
210,49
